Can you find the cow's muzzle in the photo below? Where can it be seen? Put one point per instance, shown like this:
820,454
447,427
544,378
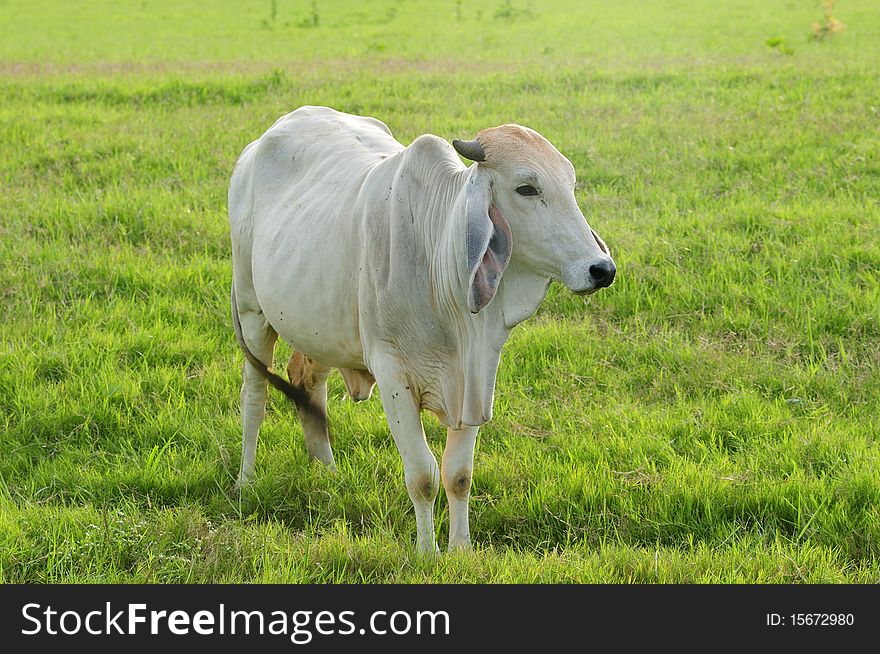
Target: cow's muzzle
588,277
603,273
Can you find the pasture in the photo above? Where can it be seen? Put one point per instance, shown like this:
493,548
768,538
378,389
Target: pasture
713,416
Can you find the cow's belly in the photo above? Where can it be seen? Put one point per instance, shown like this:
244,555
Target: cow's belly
319,331
307,289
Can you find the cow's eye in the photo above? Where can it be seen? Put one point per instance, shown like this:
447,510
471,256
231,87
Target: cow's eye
526,189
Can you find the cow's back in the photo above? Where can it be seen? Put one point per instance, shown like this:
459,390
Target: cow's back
297,223
315,151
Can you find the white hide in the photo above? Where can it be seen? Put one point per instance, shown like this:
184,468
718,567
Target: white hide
354,249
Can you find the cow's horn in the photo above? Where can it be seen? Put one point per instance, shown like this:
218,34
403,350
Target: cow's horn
470,149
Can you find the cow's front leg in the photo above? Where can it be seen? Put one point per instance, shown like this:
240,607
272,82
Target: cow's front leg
419,465
458,467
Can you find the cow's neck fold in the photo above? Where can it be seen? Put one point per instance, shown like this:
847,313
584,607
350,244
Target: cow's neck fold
469,384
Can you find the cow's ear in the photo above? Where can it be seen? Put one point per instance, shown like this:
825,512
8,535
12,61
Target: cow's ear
600,243
489,245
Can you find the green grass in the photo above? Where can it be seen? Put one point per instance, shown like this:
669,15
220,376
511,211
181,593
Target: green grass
711,417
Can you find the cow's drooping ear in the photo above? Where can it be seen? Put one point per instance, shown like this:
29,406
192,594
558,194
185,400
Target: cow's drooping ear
489,245
600,243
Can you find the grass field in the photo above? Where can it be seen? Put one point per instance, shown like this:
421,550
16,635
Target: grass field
711,417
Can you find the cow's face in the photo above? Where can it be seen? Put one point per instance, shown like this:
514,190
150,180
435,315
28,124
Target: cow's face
532,186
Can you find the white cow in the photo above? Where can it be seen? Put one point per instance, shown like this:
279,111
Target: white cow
402,267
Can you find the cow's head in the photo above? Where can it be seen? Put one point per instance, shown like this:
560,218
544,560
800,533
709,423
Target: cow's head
521,205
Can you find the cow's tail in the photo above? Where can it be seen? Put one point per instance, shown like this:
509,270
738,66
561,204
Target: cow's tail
295,394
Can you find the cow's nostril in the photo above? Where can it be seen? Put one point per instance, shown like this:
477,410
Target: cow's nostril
603,273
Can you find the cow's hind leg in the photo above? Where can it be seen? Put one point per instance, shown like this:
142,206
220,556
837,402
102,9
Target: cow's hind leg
260,339
311,377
